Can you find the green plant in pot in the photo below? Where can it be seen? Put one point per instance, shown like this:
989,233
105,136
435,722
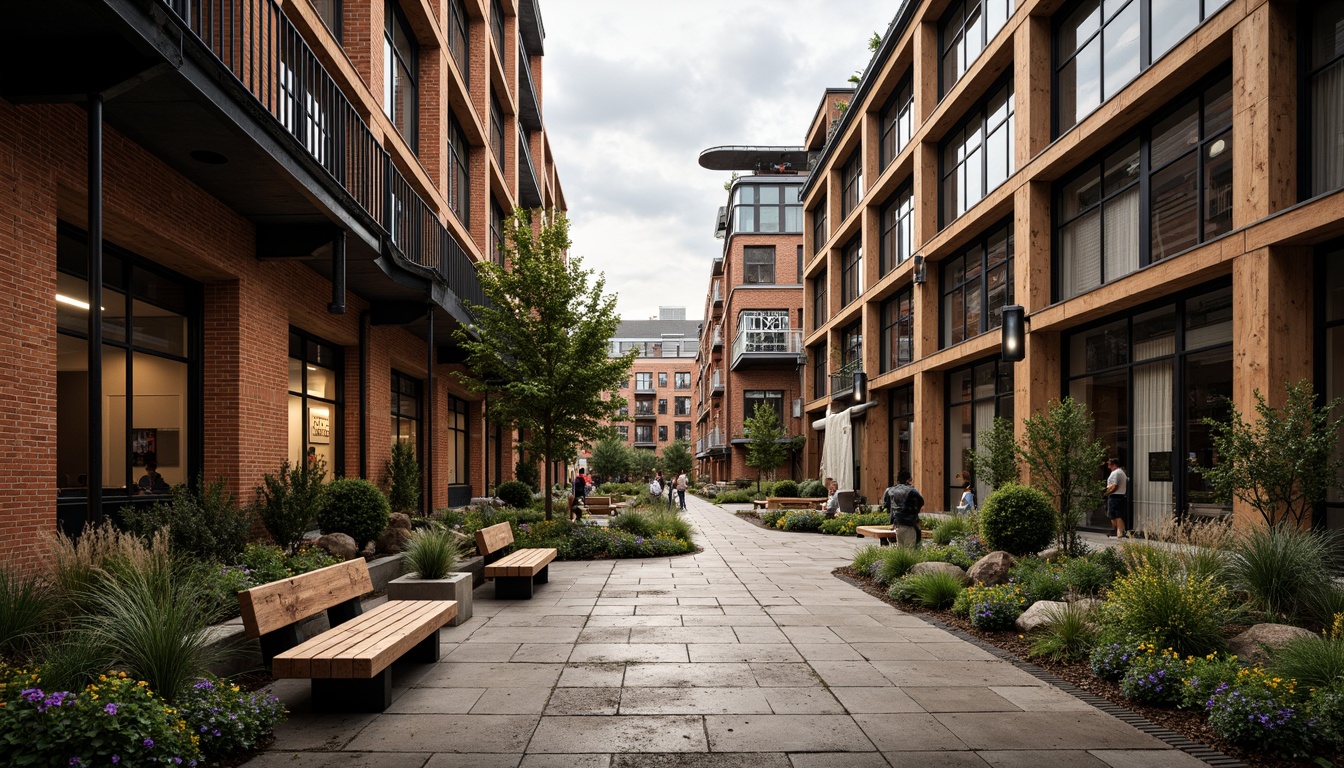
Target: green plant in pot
429,558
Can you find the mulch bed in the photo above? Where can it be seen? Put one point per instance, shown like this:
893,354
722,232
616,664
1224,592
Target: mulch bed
1192,725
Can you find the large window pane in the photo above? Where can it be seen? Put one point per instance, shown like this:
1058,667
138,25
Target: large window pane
1208,383
1175,221
1171,21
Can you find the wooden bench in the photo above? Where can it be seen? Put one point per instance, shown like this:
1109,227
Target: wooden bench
758,504
879,532
790,502
515,573
349,664
603,505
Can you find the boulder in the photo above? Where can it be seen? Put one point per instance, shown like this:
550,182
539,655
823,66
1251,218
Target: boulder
394,540
992,569
1051,555
1250,645
931,567
1038,614
339,545
399,520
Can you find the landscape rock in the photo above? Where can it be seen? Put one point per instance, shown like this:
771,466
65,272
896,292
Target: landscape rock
399,520
1250,645
931,567
1038,614
394,540
992,569
339,545
1051,555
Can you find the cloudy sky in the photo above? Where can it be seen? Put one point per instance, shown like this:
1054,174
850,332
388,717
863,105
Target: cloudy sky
633,90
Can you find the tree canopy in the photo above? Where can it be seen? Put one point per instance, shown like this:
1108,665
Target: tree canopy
677,458
765,447
540,342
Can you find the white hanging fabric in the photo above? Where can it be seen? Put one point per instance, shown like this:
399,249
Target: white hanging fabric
837,452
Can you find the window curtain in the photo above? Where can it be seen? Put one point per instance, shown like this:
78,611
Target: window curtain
984,421
1327,129
1080,249
1151,500
1122,234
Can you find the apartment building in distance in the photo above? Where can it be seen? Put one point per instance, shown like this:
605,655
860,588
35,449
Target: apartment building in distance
659,389
1157,183
241,233
750,349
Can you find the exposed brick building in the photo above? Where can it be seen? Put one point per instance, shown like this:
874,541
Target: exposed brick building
1156,183
285,203
751,342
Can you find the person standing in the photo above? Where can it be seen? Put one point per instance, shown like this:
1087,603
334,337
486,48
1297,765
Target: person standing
1117,486
967,503
682,483
578,493
903,504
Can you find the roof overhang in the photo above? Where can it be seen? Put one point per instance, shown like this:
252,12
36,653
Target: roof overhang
758,159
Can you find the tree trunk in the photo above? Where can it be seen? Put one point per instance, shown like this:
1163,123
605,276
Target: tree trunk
549,482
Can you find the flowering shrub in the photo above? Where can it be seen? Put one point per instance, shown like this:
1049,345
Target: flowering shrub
113,721
1326,706
260,564
1203,675
1155,677
971,544
947,554
993,608
1266,715
226,719
1110,661
1177,611
580,541
801,521
845,525
770,517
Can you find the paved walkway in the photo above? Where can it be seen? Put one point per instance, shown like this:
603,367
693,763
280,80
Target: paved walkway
748,654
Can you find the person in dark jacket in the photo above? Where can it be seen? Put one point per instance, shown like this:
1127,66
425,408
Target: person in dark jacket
578,493
903,504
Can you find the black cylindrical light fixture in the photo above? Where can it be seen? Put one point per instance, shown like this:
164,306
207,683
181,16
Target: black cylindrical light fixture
860,387
1014,332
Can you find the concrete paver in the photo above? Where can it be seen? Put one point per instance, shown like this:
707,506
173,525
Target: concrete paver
748,653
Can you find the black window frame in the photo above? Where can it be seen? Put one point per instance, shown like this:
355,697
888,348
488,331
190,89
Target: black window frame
496,233
497,28
820,232
458,33
497,130
753,271
898,315
459,175
395,18
1305,157
897,230
985,122
900,410
681,380
774,397
820,300
978,283
406,385
821,375
955,16
681,430
681,405
1004,407
332,14
747,199
662,433
896,121
851,271
851,182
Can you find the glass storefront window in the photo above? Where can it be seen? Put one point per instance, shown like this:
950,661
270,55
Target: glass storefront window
975,397
314,401
901,407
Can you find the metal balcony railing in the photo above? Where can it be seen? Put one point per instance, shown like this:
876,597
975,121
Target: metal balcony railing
270,59
716,383
718,295
842,381
645,413
529,183
529,106
767,344
717,340
716,439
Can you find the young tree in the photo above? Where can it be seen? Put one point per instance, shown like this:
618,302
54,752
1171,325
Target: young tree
642,462
677,458
610,460
1065,461
403,479
540,343
1282,465
765,451
996,461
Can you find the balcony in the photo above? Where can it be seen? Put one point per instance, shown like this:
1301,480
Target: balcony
529,106
842,381
715,383
644,413
714,442
702,413
765,348
716,340
645,387
645,441
717,293
529,184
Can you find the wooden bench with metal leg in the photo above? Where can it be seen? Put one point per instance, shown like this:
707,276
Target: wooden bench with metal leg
350,663
515,574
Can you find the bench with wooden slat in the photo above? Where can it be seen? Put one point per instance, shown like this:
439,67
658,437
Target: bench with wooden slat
349,664
514,573
603,505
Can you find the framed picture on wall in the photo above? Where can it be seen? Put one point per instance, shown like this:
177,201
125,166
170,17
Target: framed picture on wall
144,446
319,425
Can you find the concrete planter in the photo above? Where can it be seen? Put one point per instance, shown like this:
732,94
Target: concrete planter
384,570
474,565
457,586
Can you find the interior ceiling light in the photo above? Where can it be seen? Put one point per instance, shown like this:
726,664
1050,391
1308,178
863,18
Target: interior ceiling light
63,299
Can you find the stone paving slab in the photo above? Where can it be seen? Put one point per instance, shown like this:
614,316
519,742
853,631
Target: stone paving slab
749,653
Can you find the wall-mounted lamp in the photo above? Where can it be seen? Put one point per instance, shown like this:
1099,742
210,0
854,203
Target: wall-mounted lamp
919,269
1014,334
860,393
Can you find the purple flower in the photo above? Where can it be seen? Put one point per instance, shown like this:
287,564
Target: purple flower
76,761
149,743
116,759
204,685
110,709
32,695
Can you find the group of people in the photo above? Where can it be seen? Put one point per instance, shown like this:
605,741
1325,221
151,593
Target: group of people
582,484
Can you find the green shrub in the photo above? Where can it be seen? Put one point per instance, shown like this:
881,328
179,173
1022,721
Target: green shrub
1203,675
228,720
24,612
785,488
945,530
528,473
1171,609
813,489
514,493
620,489
1315,662
115,717
203,521
845,525
1039,580
309,559
736,497
1326,707
1281,568
802,521
1154,677
948,554
1067,634
894,562
1111,560
1261,718
770,517
635,521
1017,519
403,479
432,552
935,590
1111,659
1085,575
289,502
864,557
994,608
668,523
354,507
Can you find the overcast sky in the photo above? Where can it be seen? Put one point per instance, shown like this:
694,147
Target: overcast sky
634,90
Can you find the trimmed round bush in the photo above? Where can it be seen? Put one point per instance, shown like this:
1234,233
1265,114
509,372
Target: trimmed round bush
813,489
786,488
516,494
356,508
1017,519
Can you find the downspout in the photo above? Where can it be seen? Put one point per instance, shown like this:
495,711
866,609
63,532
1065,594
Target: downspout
337,305
364,394
429,414
95,327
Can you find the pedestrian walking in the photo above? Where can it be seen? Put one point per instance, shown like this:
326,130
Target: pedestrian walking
682,483
578,492
903,504
1117,485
